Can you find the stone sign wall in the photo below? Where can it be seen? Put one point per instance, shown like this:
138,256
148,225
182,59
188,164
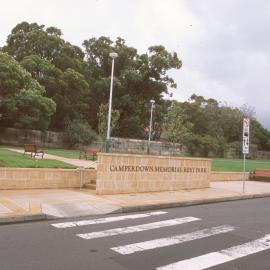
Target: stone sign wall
124,173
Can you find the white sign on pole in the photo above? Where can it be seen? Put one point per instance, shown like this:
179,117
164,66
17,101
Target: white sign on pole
246,125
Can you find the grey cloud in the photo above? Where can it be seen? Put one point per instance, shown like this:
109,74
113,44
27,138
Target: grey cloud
231,54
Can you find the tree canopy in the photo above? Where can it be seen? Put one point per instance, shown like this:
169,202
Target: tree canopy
78,79
206,126
22,100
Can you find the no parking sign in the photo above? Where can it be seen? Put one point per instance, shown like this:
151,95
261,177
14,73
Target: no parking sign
246,125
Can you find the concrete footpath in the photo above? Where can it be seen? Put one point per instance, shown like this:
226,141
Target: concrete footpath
26,205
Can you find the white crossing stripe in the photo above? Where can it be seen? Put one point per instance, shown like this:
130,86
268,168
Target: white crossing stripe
222,256
105,220
138,228
173,240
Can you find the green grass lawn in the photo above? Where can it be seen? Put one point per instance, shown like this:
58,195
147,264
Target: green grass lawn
67,153
12,159
236,165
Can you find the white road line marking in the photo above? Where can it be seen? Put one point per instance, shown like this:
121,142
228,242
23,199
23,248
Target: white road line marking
222,256
106,220
173,240
138,228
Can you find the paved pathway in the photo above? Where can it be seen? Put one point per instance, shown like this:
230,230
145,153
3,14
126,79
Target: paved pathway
70,203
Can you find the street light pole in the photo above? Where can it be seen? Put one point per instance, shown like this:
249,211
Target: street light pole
113,55
152,102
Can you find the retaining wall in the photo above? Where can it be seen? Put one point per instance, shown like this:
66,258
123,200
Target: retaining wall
25,178
228,176
14,136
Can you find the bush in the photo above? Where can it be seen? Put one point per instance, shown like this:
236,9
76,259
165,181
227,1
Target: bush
236,148
79,132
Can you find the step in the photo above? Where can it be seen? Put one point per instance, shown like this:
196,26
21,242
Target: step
93,181
90,186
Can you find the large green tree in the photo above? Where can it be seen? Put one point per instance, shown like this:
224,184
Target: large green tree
68,89
55,64
33,39
22,103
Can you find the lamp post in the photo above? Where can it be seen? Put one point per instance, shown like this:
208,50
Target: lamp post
152,102
113,55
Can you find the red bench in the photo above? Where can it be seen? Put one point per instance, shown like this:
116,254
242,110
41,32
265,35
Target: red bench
89,152
260,175
33,150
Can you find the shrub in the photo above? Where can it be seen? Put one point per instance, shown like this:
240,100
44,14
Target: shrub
78,132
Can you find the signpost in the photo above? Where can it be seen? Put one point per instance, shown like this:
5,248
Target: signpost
246,125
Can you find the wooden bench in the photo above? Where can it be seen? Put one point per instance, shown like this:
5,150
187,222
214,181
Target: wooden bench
89,152
260,175
33,150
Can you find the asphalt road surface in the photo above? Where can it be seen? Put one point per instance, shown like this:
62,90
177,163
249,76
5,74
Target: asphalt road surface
227,236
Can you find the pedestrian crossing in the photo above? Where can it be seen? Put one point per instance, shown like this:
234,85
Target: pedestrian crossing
222,256
173,240
105,220
203,261
139,228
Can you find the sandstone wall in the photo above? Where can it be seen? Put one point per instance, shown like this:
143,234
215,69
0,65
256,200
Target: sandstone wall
26,178
124,173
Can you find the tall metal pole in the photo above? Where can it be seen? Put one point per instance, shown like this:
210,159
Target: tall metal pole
244,174
150,125
110,104
246,126
113,56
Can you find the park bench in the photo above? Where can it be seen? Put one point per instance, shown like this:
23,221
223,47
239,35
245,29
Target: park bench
260,175
33,150
89,152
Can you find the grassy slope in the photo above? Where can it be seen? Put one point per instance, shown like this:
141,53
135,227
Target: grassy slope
12,159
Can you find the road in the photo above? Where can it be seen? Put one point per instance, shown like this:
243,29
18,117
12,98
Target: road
228,236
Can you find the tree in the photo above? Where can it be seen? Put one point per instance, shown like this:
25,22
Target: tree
103,120
71,99
33,39
178,127
28,110
68,89
22,101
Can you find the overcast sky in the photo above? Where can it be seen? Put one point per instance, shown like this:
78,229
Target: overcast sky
224,44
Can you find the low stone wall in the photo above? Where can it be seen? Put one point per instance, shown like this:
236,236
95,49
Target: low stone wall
228,176
14,136
26,178
140,147
126,173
